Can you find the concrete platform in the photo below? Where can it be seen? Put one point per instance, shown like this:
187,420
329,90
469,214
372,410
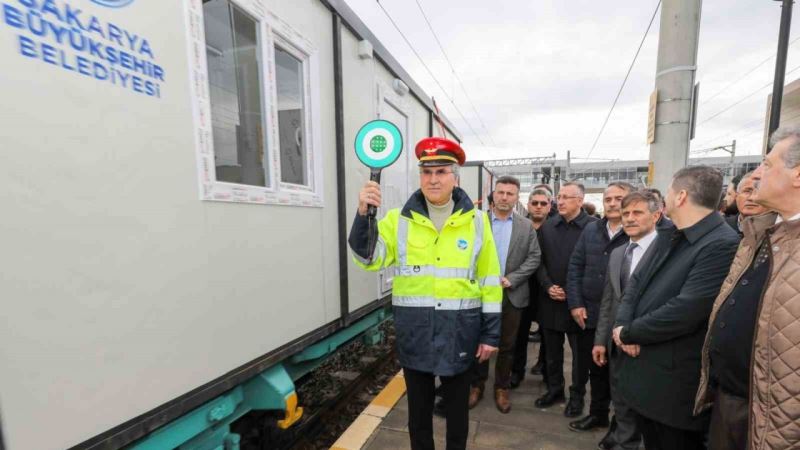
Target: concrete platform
525,427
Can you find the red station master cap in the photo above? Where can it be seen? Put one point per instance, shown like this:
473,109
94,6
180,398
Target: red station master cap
437,151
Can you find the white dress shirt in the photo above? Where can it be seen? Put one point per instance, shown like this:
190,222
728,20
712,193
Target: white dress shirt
612,233
779,219
642,245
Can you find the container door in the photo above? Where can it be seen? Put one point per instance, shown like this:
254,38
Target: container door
394,179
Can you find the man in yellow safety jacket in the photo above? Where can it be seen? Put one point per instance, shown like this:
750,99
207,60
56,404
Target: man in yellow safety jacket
446,292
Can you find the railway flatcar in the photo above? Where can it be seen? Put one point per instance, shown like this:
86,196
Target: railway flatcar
178,179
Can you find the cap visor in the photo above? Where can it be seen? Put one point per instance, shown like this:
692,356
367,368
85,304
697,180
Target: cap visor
436,162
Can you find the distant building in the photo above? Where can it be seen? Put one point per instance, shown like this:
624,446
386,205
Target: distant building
596,175
790,109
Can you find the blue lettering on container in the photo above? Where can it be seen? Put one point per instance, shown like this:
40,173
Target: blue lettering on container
64,36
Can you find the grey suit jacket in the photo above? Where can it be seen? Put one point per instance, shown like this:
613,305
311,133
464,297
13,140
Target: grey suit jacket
612,295
523,258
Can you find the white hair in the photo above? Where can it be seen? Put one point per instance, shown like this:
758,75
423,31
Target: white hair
792,157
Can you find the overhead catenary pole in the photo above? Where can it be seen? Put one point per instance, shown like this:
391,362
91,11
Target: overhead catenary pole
675,76
780,66
733,159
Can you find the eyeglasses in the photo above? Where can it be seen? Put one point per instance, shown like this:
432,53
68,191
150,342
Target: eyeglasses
541,204
437,172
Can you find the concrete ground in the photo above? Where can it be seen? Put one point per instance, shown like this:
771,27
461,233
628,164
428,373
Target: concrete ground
525,427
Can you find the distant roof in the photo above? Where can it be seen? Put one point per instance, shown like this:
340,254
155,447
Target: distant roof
530,163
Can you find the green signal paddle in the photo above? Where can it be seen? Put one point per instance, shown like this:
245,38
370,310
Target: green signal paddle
378,145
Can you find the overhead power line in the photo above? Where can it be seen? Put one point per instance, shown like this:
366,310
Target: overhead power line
453,70
430,72
738,102
743,127
625,80
759,123
729,85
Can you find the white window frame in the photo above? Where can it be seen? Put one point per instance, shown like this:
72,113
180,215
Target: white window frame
271,31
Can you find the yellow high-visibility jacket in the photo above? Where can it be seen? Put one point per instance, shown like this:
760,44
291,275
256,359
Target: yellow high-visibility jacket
446,292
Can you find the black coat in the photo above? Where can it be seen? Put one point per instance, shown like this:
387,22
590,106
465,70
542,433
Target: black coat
535,287
587,268
733,221
558,241
665,310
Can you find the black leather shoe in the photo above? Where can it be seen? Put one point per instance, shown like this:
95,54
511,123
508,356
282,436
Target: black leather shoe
574,407
589,422
438,408
607,443
549,399
537,368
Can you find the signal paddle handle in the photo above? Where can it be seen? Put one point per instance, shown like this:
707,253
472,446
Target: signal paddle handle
374,175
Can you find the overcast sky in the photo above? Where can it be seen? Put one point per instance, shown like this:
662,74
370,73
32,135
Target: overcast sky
543,74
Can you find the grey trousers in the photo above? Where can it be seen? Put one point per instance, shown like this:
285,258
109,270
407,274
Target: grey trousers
627,435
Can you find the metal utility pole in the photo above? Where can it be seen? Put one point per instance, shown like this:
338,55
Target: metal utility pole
780,66
675,75
566,171
733,159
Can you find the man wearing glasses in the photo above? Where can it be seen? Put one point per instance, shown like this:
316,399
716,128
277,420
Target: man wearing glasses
559,236
539,202
446,291
587,271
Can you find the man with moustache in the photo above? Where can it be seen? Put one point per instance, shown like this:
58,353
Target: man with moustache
519,254
665,309
559,236
538,211
744,203
640,213
587,270
750,357
446,291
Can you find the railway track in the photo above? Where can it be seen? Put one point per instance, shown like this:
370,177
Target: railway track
332,397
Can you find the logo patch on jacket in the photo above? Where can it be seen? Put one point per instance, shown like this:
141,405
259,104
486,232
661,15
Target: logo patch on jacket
462,244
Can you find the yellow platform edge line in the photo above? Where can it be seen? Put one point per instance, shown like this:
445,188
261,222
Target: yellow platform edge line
357,434
390,394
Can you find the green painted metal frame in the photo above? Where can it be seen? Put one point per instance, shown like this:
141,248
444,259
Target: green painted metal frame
208,426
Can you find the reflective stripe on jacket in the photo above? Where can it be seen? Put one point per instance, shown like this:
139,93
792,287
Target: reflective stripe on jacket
446,291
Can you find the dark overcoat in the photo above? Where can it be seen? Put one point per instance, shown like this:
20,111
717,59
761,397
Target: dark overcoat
587,268
665,310
558,240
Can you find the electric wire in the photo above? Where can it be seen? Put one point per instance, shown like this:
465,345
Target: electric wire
729,85
741,100
746,126
625,80
453,70
436,80
756,123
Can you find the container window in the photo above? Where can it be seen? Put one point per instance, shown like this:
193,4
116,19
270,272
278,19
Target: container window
235,80
289,78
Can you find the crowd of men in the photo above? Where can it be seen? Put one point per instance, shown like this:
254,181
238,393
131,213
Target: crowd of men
682,311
